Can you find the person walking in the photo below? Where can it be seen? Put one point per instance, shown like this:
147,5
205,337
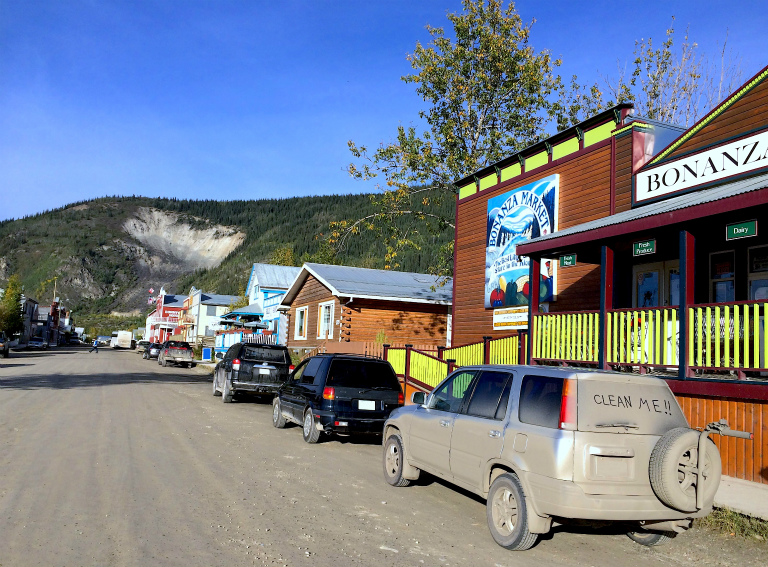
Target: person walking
95,346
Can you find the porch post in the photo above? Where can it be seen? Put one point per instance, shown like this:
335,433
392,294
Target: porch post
534,274
407,363
606,304
441,352
487,350
687,250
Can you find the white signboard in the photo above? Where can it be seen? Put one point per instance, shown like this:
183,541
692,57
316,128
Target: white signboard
510,318
733,158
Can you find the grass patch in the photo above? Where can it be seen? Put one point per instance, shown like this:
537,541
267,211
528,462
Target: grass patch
729,522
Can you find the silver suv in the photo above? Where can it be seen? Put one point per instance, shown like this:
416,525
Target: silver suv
542,443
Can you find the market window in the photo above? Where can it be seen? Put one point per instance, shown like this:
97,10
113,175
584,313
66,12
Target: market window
758,273
325,320
210,310
300,330
721,276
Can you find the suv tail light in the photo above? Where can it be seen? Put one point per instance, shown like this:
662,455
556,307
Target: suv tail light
291,368
236,364
568,405
329,393
400,399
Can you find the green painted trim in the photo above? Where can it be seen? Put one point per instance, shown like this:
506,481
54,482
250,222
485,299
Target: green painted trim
712,115
564,148
467,190
488,181
510,171
536,160
598,134
642,125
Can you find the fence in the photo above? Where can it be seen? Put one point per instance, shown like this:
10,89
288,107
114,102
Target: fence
731,336
566,337
643,337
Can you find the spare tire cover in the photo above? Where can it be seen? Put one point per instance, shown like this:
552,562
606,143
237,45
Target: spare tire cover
672,465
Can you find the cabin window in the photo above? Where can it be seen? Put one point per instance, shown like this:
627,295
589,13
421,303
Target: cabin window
758,273
325,320
300,330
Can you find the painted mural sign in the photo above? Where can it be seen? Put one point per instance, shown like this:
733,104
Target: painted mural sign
515,217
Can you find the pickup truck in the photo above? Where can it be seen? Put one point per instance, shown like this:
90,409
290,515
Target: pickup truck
176,352
254,368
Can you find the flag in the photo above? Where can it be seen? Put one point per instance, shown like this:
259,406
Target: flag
151,290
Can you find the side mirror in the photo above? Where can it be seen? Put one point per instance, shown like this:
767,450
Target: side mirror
419,398
219,355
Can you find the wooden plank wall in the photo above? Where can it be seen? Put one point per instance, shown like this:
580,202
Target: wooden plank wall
584,196
623,183
744,459
311,294
401,322
745,115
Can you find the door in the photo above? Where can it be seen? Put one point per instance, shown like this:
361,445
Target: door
295,393
478,430
656,284
432,425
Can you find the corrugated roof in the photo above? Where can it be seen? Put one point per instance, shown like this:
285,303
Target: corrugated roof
375,284
272,276
173,299
252,309
665,206
216,299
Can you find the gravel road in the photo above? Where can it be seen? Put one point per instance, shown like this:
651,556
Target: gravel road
108,459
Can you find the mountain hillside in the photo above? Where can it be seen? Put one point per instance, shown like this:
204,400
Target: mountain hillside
106,253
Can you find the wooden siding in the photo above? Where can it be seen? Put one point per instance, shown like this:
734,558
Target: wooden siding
623,165
584,196
744,459
401,322
745,115
311,294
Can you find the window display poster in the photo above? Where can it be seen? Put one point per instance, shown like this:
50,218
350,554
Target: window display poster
515,217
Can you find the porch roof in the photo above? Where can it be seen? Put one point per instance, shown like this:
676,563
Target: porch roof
727,197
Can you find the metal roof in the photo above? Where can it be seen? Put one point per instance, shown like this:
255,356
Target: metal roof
170,300
272,276
366,283
216,299
696,197
252,309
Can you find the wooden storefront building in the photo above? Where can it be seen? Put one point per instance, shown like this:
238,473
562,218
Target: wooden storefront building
649,253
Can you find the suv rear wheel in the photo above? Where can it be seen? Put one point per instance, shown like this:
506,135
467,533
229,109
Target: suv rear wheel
507,514
651,538
309,430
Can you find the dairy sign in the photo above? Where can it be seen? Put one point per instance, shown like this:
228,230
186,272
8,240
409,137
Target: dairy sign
727,160
515,217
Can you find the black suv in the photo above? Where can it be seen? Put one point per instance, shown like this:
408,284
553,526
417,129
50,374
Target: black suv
336,393
249,367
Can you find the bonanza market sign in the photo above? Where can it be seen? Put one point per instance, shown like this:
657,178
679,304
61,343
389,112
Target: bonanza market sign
734,158
515,217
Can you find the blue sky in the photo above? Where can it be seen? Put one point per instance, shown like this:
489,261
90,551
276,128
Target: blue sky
257,99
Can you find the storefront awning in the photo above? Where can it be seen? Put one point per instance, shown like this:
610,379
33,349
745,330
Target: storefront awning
727,197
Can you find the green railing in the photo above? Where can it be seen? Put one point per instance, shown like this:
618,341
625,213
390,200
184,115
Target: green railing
396,357
646,337
427,369
465,355
506,350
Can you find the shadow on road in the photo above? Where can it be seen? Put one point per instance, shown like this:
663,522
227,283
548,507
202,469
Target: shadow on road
69,381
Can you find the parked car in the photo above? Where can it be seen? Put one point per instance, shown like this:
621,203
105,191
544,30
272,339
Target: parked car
5,345
103,340
338,394
141,346
253,368
176,352
38,343
540,442
152,351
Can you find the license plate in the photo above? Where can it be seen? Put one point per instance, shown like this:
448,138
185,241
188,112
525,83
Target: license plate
264,371
366,405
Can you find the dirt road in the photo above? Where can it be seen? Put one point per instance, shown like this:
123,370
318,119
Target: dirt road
108,459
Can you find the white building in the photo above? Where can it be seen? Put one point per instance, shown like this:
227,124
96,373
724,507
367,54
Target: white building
267,286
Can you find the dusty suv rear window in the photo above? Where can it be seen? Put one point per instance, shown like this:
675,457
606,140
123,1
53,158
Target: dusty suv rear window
634,404
540,398
178,344
266,354
361,373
